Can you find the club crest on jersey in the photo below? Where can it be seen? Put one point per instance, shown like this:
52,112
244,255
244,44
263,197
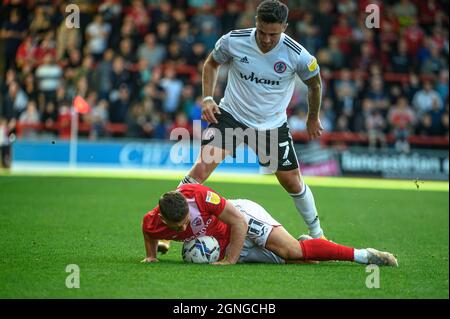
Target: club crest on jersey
212,198
197,221
279,67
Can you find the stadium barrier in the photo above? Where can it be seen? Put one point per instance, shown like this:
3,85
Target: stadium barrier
122,154
361,138
418,164
315,160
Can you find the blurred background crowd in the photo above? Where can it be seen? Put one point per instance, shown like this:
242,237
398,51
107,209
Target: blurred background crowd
138,63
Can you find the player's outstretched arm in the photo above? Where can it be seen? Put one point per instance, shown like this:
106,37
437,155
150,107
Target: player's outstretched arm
313,125
238,224
209,79
151,247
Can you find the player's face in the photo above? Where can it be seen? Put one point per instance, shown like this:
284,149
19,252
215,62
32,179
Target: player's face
176,226
268,34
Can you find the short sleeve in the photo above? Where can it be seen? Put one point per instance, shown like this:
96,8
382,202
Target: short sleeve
221,52
210,201
307,66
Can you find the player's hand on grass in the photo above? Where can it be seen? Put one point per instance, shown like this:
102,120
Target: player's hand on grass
314,127
150,260
223,262
208,110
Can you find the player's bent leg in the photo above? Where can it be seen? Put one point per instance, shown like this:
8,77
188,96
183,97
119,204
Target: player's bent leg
290,180
303,198
283,244
252,253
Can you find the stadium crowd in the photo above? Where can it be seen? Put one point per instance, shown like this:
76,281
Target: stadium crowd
138,64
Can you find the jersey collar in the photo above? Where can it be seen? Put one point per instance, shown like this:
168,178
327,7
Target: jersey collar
253,42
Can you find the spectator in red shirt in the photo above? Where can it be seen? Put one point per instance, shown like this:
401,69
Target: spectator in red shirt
64,122
26,52
181,123
428,11
140,16
46,47
401,118
413,36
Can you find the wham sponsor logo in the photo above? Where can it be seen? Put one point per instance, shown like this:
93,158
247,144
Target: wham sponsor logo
257,80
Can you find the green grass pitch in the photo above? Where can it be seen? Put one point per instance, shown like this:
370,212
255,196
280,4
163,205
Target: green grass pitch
49,222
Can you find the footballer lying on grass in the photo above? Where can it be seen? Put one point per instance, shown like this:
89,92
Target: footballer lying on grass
246,232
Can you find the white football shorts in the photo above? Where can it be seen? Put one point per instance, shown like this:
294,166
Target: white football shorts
260,225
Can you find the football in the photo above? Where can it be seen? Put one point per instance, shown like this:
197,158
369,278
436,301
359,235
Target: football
202,250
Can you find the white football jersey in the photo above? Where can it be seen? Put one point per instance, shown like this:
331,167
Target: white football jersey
260,85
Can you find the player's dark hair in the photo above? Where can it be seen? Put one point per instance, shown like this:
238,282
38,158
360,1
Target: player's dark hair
173,206
272,11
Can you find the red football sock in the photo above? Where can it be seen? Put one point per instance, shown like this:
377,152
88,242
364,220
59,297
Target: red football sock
321,249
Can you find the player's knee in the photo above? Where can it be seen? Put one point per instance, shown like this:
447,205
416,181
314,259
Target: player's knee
200,172
294,253
290,253
292,186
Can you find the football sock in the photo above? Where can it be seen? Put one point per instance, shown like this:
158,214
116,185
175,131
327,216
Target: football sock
361,256
321,249
188,180
304,202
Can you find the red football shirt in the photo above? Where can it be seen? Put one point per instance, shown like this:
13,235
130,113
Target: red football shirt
205,206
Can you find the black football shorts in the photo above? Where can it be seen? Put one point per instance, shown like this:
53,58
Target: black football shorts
274,148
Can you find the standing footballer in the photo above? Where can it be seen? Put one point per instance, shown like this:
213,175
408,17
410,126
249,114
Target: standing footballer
263,63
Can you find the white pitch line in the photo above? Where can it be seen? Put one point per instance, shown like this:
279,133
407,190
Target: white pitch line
241,178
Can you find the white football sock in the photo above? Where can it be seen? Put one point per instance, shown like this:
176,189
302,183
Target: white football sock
361,256
304,202
188,180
